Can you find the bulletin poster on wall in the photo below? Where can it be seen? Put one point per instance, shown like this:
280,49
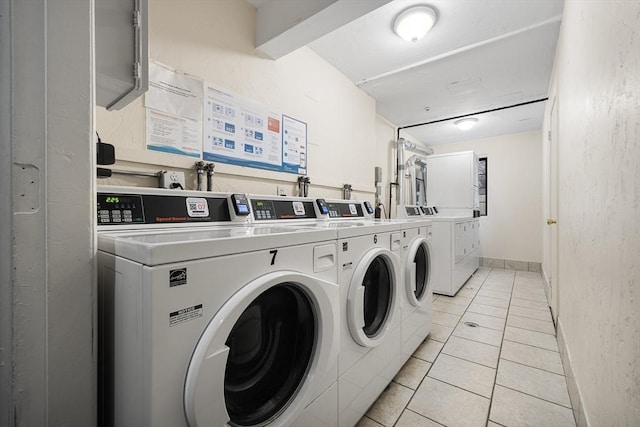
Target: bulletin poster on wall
174,112
188,117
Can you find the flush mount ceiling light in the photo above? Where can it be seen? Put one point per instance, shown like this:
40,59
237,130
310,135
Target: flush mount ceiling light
414,23
466,124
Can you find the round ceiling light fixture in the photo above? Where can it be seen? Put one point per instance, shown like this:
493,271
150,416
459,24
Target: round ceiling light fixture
414,23
466,124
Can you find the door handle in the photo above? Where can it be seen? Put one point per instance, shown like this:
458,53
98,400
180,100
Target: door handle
551,221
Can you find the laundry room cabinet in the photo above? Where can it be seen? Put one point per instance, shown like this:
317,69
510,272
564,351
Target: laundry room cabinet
456,252
452,181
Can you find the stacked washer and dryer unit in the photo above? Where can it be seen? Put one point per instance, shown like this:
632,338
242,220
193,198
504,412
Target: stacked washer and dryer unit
218,309
206,320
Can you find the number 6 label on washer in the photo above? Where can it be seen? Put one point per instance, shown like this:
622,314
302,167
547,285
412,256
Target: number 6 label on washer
273,256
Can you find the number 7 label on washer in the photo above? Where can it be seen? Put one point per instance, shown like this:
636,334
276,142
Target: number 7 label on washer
184,315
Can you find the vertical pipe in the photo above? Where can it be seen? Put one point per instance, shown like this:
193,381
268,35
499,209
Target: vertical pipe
199,173
400,178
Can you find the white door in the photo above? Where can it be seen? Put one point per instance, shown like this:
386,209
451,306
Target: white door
417,272
256,359
373,299
552,226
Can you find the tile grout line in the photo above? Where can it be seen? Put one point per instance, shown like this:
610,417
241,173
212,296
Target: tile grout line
536,397
484,305
406,407
534,367
495,379
528,330
440,351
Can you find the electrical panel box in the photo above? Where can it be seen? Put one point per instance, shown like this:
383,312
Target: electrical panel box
122,59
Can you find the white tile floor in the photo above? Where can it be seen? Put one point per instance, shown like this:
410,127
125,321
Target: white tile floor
505,371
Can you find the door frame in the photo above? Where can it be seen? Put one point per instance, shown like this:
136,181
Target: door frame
551,257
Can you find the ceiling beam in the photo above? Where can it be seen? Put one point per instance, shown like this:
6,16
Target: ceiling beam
283,26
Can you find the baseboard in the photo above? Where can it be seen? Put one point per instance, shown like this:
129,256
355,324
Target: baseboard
547,288
510,264
572,385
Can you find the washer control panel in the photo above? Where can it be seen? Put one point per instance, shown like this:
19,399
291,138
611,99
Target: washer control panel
412,211
285,209
345,209
128,209
120,208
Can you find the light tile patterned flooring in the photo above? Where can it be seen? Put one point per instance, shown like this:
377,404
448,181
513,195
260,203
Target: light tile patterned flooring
506,371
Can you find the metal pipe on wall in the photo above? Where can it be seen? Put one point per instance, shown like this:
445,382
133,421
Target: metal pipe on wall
401,176
400,171
411,164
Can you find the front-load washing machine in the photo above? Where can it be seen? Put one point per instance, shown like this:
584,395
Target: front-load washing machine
417,295
370,277
211,326
418,276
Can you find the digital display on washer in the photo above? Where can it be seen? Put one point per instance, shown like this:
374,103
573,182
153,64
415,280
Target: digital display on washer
240,204
264,210
322,205
125,209
368,207
426,210
120,209
412,210
345,210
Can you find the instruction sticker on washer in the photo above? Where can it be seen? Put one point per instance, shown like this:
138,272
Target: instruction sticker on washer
298,208
197,207
184,315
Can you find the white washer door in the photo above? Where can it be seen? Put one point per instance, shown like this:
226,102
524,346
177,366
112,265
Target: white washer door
372,298
257,356
417,273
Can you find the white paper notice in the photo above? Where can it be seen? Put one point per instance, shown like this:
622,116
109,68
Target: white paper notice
294,148
173,134
239,131
174,112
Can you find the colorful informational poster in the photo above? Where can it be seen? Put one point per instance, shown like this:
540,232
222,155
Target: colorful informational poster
294,146
240,131
174,112
189,117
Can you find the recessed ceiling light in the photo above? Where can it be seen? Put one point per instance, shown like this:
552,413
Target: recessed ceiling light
414,23
466,124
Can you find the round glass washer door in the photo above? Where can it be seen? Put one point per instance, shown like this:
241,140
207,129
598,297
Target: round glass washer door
252,363
418,272
372,297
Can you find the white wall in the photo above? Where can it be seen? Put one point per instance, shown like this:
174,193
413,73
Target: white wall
386,159
214,40
597,73
47,281
512,228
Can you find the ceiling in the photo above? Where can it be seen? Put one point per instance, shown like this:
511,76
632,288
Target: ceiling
481,55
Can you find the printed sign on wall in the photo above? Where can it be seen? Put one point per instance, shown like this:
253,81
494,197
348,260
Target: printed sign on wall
189,117
294,145
174,112
242,132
